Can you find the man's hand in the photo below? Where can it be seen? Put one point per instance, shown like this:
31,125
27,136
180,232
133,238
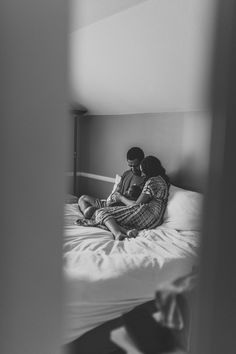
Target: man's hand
116,197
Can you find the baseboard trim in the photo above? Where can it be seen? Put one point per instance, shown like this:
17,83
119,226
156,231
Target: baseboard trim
92,176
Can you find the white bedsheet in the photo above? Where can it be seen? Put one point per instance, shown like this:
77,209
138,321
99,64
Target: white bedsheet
105,278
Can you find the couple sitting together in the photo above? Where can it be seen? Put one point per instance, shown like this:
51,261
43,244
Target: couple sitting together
138,203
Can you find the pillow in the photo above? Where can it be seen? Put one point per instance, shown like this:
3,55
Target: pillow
117,181
183,211
71,199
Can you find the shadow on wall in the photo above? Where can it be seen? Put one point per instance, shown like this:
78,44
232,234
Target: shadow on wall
189,177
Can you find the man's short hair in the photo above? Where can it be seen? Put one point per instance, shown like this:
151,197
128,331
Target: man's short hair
135,153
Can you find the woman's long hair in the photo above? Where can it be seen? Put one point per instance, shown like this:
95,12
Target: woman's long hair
152,167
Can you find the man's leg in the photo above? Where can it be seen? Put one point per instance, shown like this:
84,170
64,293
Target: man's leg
85,202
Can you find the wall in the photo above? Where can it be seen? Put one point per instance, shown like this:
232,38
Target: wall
33,134
70,156
180,140
214,329
153,57
86,12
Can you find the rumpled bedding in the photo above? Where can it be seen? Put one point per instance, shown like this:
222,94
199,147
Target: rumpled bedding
105,278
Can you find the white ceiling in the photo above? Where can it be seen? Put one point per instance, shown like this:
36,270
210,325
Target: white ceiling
85,12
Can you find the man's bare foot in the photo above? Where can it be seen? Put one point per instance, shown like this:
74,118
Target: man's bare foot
88,213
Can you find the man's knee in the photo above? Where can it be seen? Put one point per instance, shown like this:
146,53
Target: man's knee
86,199
83,198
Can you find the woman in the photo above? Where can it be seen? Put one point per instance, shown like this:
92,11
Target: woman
144,213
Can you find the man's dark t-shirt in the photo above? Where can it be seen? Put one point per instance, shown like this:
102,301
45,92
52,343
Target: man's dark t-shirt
128,179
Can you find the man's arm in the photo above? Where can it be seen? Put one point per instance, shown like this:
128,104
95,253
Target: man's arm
119,187
111,199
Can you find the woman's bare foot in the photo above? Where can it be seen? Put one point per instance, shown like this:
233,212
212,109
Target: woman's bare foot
88,213
132,233
126,234
120,236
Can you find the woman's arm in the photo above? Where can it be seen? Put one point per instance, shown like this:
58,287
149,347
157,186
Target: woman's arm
142,199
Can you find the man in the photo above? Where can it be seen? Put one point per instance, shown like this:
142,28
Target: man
135,155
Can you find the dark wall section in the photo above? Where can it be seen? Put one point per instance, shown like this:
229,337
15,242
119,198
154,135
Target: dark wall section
179,139
96,188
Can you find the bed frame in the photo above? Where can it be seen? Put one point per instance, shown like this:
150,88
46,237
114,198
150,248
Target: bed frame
153,337
96,341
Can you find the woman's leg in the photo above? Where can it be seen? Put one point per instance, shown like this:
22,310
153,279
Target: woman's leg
117,231
132,233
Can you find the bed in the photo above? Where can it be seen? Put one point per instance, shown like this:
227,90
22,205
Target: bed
105,278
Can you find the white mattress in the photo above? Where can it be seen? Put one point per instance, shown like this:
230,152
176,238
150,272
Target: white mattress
105,278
